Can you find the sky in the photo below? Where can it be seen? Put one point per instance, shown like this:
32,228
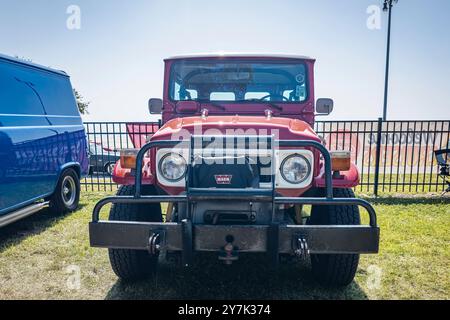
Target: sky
115,57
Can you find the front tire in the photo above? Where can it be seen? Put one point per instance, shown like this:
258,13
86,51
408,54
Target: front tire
128,264
335,269
67,193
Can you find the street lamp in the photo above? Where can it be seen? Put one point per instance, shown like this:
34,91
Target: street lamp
387,6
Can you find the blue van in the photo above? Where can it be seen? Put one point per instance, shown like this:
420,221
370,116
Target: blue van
43,145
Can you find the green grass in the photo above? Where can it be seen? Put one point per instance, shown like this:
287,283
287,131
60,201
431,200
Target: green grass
413,262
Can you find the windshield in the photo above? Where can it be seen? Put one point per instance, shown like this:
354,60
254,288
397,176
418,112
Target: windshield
238,81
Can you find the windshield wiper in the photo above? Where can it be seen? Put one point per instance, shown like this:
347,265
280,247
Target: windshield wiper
202,101
273,105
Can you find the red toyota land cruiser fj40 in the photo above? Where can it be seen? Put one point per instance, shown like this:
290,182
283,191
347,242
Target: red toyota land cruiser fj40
236,159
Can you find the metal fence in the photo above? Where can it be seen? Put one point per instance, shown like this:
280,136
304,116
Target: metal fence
392,156
105,139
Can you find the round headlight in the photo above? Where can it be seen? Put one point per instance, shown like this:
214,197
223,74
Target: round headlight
295,169
172,167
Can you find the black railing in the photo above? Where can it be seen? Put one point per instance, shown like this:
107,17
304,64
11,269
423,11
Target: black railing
392,156
105,140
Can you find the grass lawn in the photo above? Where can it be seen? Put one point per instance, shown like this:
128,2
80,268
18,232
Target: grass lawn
40,255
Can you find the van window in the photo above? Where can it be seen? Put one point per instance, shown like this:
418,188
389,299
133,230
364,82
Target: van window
24,90
18,94
57,95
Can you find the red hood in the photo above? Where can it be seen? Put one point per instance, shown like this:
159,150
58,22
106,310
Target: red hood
284,128
287,129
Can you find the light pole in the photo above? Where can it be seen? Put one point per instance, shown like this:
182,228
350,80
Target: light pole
387,6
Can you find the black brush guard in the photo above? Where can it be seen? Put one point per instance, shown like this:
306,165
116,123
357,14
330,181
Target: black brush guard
275,238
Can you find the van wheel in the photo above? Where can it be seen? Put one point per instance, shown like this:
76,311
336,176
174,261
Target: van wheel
134,264
67,193
335,269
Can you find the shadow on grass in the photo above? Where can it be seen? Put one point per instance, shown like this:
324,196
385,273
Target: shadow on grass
249,278
37,223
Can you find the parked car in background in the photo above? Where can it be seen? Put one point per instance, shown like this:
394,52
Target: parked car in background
42,141
101,159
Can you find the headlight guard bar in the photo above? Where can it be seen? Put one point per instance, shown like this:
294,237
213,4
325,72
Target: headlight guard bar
194,194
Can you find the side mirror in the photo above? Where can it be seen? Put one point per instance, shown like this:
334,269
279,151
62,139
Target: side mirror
324,106
155,106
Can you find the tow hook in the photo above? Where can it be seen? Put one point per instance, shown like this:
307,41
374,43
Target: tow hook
228,253
300,246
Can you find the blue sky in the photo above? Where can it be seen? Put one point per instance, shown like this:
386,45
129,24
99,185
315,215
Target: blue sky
115,59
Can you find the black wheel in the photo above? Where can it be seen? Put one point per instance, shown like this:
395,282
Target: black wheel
109,168
67,193
134,264
335,269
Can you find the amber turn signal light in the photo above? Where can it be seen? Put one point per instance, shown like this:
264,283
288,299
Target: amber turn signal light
128,158
340,160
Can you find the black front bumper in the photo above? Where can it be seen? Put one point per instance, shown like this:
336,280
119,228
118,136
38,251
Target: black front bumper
247,238
274,238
